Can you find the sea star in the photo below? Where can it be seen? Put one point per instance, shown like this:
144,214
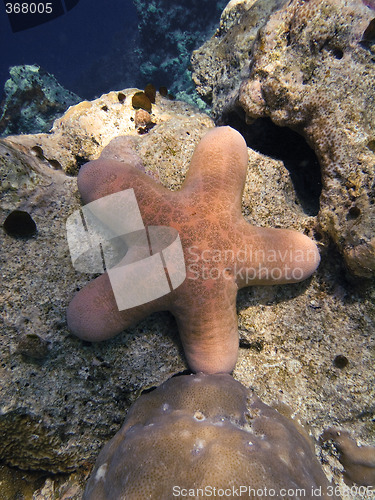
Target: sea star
222,251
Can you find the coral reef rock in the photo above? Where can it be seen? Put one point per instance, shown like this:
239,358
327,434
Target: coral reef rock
80,134
222,62
33,100
311,68
62,399
201,433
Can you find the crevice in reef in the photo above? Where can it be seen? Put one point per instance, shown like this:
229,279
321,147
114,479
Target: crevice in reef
291,148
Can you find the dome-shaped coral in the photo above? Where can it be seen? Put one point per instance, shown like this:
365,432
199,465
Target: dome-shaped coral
197,433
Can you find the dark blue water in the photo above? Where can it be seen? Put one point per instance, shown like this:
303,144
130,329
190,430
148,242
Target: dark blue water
72,46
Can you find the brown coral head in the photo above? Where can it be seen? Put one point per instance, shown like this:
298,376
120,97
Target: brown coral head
197,433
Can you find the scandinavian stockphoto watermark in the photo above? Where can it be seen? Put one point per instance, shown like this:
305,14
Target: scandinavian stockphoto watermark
249,263
143,263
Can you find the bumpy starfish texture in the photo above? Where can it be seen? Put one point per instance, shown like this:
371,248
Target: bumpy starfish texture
222,251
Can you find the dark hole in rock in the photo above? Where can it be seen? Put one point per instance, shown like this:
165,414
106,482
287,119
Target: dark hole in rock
338,53
318,236
369,33
55,164
291,148
80,160
121,96
257,345
38,152
340,361
368,37
353,212
20,224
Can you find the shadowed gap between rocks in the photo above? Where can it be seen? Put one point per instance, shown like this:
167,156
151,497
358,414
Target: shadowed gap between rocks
291,148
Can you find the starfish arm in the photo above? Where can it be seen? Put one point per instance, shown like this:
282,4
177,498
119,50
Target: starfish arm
269,256
218,169
102,177
93,314
207,323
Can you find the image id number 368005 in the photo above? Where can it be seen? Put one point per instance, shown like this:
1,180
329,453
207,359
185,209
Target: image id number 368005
28,8
351,492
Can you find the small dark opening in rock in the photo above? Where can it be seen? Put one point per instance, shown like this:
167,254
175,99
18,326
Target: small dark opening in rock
257,345
369,33
20,224
38,152
292,149
340,361
288,38
338,53
55,164
121,96
80,160
354,212
318,236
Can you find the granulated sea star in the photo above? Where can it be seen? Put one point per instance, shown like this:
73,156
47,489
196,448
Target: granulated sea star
222,251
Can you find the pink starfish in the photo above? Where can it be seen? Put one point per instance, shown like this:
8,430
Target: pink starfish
222,251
